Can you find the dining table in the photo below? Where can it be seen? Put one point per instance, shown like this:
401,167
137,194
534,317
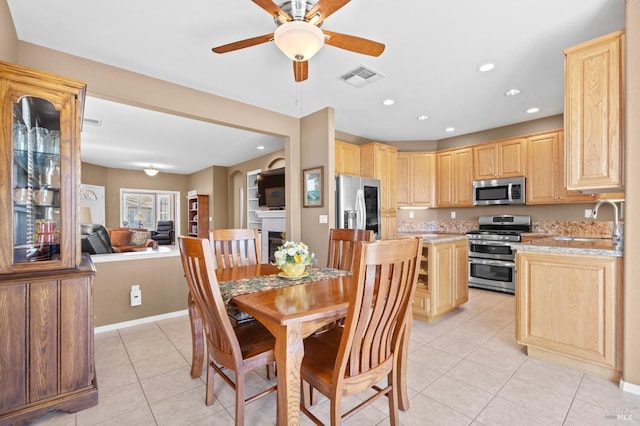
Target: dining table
291,309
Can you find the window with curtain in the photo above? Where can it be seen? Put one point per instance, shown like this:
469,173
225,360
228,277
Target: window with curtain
141,208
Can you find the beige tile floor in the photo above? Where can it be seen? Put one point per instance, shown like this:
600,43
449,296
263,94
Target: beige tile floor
464,369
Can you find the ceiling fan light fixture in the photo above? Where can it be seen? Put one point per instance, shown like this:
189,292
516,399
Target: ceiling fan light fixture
151,171
299,40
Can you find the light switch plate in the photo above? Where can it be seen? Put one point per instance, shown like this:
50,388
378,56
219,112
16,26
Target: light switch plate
324,218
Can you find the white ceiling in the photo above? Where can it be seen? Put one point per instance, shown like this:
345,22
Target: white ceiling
433,50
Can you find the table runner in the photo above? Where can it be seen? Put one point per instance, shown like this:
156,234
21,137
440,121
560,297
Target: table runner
228,289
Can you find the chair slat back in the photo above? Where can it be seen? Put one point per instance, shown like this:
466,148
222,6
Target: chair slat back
235,247
342,243
199,270
387,273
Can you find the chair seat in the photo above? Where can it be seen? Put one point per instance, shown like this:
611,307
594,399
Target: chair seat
320,353
254,339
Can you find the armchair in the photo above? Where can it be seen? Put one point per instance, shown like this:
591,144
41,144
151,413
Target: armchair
164,232
95,239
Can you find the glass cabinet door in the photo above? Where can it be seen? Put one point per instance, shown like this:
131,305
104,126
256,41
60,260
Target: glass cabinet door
36,180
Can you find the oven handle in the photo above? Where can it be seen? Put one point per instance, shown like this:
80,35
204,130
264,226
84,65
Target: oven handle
491,242
492,262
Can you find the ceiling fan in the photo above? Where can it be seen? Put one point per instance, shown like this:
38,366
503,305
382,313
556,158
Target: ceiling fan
299,35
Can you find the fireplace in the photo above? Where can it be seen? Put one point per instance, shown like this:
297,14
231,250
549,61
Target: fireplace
273,224
274,241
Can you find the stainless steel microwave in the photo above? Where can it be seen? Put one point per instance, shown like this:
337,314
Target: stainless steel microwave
498,191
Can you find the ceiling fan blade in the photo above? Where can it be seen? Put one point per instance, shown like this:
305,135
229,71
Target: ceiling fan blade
236,45
300,70
274,10
353,43
326,9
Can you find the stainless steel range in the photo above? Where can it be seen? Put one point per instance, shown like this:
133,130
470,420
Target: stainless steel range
491,260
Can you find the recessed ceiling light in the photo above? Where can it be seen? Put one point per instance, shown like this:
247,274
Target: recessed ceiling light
532,110
388,102
449,129
486,67
260,147
423,117
512,92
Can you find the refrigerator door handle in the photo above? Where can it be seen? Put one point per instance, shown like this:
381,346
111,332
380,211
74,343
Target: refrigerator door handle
361,208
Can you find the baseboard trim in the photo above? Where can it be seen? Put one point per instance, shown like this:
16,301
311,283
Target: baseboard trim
145,320
629,387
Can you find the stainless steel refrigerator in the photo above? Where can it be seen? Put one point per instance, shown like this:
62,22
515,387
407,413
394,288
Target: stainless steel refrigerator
358,203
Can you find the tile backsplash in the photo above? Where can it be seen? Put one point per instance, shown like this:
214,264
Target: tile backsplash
580,228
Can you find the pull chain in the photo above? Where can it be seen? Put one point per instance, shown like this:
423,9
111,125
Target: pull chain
299,97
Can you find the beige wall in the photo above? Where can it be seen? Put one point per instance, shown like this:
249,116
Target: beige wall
525,128
8,37
318,149
631,354
164,289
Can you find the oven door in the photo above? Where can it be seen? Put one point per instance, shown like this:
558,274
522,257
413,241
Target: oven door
489,249
492,274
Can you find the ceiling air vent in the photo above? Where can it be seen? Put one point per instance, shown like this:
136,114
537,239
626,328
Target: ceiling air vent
92,122
361,76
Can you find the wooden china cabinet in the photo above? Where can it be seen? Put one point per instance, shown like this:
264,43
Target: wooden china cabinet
46,285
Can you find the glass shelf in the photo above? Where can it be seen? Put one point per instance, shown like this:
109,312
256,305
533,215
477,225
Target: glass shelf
36,180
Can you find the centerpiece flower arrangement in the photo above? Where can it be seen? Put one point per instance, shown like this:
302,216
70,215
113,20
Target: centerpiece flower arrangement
293,258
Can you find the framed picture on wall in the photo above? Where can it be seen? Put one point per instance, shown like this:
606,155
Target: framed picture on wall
312,187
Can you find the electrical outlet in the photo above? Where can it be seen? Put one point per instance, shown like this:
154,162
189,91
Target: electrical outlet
135,295
410,214
587,213
453,215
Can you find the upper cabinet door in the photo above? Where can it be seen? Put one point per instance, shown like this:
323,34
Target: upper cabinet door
40,160
594,89
501,159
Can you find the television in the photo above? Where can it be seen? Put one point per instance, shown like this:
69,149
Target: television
271,189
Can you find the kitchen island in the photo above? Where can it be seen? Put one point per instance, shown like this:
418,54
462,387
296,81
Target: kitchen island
442,279
569,302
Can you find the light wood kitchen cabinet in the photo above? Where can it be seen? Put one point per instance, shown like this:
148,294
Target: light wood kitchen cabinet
545,172
501,159
416,179
379,161
569,310
46,286
593,112
347,158
454,178
442,279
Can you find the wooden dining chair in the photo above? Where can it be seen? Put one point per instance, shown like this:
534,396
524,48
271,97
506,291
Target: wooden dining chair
235,247
342,243
352,359
240,349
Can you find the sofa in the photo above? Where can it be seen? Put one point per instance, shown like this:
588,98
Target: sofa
130,239
96,239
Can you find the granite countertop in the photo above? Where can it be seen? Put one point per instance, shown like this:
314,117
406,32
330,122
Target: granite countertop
434,237
590,246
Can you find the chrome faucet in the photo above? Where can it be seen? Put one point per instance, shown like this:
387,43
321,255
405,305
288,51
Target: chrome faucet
616,235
